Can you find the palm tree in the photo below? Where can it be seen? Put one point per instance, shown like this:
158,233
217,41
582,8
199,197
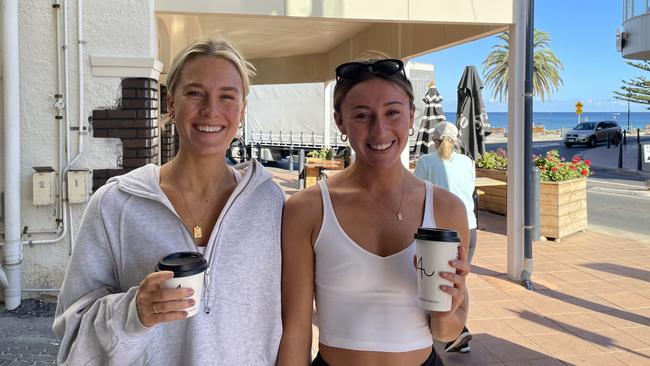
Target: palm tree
546,66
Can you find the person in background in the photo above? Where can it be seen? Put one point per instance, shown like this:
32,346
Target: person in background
349,239
455,172
112,308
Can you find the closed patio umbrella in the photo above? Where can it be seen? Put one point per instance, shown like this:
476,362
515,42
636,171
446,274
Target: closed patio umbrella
430,118
471,117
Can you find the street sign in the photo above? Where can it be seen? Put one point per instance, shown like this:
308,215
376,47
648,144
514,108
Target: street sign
579,108
646,153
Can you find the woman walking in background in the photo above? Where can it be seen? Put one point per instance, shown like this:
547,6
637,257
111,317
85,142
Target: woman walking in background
454,172
112,308
349,239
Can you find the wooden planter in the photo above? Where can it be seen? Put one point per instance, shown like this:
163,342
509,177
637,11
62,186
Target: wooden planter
563,205
563,208
493,199
314,166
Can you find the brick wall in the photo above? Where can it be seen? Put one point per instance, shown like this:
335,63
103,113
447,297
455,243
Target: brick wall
168,136
135,123
168,143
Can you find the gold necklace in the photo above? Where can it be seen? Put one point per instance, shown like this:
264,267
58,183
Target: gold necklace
397,213
197,230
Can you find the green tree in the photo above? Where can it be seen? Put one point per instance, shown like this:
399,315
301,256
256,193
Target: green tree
546,67
635,90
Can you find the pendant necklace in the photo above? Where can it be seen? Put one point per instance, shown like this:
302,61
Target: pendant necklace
397,213
197,231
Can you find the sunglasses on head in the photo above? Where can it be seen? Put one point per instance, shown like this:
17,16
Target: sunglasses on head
353,70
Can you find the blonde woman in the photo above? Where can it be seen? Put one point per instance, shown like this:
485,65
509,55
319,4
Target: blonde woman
112,308
455,172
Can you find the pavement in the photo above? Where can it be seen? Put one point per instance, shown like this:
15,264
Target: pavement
590,305
606,159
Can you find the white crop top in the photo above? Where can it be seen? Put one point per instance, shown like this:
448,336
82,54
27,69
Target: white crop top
364,301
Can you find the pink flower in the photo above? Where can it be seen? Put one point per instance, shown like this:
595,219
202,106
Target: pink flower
584,172
587,162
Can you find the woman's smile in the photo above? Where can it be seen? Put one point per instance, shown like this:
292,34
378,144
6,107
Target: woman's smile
381,147
208,128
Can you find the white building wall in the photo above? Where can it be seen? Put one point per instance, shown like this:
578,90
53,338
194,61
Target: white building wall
110,28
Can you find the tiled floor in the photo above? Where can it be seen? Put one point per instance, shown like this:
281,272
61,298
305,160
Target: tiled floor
591,304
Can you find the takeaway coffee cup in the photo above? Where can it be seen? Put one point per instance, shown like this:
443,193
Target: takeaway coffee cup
189,270
434,249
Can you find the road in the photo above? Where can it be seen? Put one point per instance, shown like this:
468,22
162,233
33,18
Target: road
619,203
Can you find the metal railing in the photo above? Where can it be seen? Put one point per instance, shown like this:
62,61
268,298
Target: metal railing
633,8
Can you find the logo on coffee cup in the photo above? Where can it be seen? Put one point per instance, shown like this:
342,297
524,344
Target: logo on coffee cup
422,270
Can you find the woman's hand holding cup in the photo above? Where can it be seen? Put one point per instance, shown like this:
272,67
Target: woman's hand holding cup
458,291
157,304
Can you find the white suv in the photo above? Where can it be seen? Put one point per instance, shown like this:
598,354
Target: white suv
591,133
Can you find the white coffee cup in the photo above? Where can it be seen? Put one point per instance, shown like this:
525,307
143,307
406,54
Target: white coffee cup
434,249
189,272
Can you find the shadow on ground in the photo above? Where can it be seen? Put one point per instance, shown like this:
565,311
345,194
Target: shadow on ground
489,350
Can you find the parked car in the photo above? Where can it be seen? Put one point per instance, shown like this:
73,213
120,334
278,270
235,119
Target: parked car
591,133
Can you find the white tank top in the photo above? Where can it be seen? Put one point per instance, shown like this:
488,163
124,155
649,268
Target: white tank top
364,301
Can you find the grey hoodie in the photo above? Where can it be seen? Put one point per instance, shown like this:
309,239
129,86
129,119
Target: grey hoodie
128,225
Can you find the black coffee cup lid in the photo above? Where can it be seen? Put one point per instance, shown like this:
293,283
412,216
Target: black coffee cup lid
183,264
433,234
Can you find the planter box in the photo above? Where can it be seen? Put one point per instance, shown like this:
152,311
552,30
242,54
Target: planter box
314,167
563,205
563,208
493,199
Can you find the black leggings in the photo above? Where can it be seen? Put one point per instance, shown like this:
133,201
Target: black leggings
433,360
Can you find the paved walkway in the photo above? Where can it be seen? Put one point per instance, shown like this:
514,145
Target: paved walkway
591,304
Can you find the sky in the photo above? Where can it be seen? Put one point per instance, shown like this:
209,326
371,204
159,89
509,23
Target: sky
583,37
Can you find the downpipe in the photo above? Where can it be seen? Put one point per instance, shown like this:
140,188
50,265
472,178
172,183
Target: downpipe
82,129
11,271
529,203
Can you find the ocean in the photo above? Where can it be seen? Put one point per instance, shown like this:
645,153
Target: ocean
567,120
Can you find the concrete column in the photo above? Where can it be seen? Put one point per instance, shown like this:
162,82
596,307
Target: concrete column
516,70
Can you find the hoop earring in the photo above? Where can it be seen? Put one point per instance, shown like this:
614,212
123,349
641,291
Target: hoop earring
411,131
344,137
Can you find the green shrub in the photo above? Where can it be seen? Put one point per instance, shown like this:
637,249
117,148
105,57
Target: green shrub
492,160
323,154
